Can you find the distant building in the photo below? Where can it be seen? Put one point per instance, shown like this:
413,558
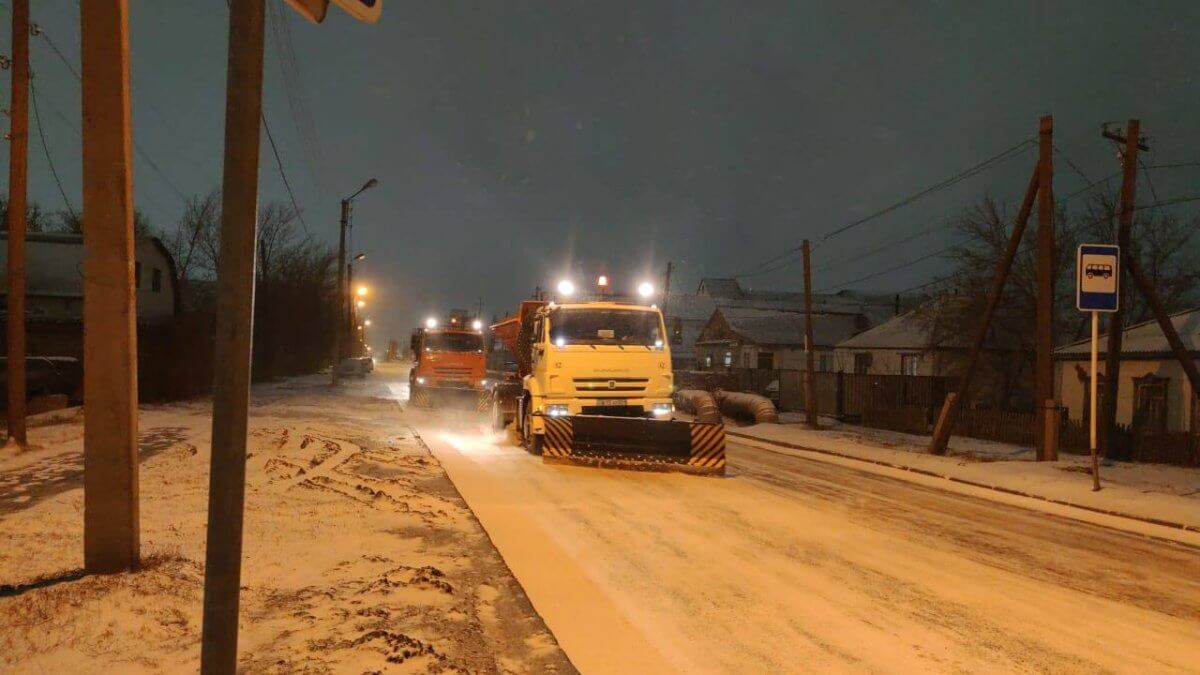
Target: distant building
1154,392
54,289
902,345
687,314
737,337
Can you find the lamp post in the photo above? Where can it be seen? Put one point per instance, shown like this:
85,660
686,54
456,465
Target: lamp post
350,317
339,324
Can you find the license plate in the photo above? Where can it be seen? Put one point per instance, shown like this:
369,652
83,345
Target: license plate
611,402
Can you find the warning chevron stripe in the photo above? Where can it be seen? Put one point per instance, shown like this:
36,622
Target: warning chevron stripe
559,437
708,446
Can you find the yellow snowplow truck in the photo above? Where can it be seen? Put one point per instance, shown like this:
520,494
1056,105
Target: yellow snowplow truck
595,388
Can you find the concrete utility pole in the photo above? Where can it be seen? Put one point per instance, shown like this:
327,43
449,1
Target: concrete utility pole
110,441
340,320
1116,320
235,327
18,171
810,388
945,421
1047,449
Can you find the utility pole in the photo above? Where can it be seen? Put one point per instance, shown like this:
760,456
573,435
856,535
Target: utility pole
18,171
351,311
667,290
235,327
110,441
1047,450
945,421
340,315
810,388
1116,320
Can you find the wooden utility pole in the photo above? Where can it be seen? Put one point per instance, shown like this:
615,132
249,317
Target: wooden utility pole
1044,334
235,326
945,422
810,389
110,440
18,171
667,291
1116,321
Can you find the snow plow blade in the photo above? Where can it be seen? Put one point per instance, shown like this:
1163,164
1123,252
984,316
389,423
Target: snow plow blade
635,443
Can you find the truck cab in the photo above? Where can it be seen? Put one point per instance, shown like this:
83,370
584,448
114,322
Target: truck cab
595,358
446,359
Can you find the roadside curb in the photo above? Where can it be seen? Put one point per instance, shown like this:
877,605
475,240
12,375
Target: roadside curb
963,481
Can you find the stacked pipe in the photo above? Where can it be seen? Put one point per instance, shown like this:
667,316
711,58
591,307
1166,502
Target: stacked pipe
744,406
699,403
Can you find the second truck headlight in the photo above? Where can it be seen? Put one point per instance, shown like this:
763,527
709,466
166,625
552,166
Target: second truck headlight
662,409
558,410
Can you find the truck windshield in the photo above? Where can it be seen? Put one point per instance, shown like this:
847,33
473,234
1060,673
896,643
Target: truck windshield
605,327
453,342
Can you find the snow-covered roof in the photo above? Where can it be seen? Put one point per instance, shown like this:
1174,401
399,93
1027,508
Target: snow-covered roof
773,327
1145,339
907,331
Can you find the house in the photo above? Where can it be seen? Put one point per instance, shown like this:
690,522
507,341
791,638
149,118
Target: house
736,337
902,345
686,314
1154,392
54,289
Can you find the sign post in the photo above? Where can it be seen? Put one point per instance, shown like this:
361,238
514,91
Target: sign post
1098,270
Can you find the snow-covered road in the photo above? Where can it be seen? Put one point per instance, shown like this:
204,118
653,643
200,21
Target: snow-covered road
791,564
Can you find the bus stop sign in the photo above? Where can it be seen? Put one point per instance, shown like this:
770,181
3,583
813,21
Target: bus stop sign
1098,269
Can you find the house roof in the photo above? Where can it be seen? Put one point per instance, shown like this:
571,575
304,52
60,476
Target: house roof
1144,339
773,327
907,331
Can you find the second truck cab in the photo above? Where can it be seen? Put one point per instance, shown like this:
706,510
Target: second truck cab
447,358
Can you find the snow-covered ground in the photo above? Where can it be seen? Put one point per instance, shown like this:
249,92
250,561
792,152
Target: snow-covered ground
791,564
360,555
1151,491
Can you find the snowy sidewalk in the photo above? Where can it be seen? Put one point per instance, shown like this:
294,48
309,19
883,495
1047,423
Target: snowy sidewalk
1152,492
360,555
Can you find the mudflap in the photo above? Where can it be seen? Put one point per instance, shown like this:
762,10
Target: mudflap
635,443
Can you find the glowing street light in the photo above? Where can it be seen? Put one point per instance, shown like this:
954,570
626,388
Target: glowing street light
367,322
362,291
361,303
645,289
431,322
566,288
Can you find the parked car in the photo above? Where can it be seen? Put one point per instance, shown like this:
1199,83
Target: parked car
357,365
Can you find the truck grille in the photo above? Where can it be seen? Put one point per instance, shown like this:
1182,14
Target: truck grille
452,373
611,384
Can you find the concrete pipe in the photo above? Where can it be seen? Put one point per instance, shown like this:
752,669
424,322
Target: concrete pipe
743,406
699,403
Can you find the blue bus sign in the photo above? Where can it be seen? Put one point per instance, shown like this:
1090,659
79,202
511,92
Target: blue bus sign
1098,269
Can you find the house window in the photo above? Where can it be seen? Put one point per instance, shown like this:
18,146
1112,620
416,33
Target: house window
137,275
908,364
156,280
676,331
728,359
1150,403
824,364
707,361
862,362
766,360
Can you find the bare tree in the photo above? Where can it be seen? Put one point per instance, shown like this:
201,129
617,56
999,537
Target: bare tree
194,243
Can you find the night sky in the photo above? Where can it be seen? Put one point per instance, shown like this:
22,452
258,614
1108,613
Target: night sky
514,141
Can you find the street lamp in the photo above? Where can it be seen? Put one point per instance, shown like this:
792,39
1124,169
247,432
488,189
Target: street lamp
343,310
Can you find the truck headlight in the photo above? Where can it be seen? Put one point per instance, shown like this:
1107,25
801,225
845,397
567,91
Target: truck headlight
558,410
420,380
662,409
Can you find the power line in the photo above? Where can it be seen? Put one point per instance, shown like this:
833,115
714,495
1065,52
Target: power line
282,174
1152,205
46,149
937,187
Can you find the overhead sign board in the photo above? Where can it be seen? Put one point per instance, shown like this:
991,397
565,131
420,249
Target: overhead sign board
1098,270
367,11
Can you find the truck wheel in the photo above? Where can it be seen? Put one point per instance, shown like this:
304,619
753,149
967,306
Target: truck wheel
497,415
531,441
